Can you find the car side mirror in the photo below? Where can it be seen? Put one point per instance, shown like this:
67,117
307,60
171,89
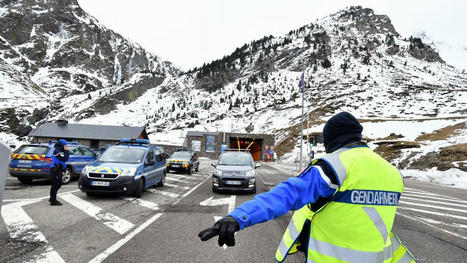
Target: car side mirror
257,165
214,164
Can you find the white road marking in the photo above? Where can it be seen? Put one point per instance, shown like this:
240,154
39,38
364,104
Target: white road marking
14,187
433,213
430,201
177,180
419,192
21,226
185,177
177,186
144,203
433,206
437,222
221,201
435,198
109,251
435,227
114,222
169,194
38,199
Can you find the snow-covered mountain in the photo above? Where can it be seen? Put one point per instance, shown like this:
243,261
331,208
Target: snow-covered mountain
353,60
51,51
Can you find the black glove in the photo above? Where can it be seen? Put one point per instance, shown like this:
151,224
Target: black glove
225,228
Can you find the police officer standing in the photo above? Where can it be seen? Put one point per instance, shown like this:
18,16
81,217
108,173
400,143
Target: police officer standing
59,157
345,204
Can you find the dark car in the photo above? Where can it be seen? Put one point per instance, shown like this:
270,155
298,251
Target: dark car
33,161
130,167
184,160
235,171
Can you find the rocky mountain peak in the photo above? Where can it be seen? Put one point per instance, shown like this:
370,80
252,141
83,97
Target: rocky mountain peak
68,54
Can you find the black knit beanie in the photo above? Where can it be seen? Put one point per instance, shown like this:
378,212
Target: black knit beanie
340,130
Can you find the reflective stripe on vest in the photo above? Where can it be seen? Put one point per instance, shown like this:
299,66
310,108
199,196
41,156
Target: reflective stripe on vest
335,163
396,251
292,232
326,178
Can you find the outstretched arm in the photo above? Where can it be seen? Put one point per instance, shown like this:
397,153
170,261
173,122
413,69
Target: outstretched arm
293,194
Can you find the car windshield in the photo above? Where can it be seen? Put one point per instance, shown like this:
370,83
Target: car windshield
31,149
123,155
181,155
235,158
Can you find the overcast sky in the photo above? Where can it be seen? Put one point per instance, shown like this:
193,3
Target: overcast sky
191,32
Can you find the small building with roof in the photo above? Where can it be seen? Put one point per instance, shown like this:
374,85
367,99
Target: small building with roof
91,135
212,144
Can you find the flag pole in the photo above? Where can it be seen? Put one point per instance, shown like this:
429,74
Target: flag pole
301,84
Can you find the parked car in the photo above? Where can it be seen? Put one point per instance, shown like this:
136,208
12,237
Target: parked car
129,167
33,161
234,171
183,159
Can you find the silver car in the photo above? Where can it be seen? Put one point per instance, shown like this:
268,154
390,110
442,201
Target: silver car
234,171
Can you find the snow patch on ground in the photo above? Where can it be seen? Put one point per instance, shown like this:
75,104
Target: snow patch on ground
453,177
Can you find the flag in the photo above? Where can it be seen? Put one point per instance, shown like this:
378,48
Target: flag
302,81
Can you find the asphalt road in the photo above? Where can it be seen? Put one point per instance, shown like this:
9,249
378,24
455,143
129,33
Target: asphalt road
162,226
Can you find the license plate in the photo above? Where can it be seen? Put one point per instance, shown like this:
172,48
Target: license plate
176,165
233,182
99,183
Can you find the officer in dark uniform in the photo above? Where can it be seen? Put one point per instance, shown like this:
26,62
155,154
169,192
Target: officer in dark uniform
59,158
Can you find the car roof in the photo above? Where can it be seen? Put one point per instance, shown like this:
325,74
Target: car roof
129,145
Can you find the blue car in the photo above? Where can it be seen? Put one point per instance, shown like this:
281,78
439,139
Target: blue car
33,161
129,167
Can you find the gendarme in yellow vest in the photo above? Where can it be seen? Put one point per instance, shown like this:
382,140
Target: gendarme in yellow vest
355,226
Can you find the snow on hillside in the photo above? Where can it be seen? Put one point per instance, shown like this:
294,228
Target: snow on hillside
354,60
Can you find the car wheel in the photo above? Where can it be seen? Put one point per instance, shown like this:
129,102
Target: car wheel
162,182
25,180
139,188
66,175
253,190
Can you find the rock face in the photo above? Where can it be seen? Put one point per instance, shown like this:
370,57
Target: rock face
65,52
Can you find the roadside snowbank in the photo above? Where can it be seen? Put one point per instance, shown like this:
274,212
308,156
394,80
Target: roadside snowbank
453,177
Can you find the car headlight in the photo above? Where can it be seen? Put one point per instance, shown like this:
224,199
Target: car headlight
218,172
215,180
129,172
250,173
85,170
251,181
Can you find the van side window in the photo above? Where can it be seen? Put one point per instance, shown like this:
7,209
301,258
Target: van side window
150,156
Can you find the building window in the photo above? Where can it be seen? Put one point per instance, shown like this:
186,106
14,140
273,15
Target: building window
210,143
196,145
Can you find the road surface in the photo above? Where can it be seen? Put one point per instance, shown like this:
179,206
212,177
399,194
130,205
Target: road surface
162,226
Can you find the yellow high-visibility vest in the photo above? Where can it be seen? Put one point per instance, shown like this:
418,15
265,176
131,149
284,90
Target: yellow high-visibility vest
355,225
